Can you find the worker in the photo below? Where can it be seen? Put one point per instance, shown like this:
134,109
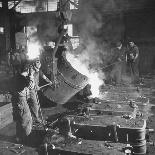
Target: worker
22,115
133,61
23,56
118,60
33,100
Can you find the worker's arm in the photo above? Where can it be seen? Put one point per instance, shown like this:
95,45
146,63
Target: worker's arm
47,79
137,52
30,79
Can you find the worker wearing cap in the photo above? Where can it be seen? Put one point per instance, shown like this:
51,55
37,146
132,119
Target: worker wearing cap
23,83
33,100
133,60
118,59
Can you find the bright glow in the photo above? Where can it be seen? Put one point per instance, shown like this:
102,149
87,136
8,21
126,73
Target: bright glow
69,28
34,49
31,30
93,76
95,83
2,30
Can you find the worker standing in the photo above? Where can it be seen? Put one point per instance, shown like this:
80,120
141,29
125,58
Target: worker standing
22,84
33,100
119,61
133,61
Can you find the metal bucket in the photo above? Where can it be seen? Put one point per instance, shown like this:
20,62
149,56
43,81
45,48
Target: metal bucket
70,82
134,135
139,148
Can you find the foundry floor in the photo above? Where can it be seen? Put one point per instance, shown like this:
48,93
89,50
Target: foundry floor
7,134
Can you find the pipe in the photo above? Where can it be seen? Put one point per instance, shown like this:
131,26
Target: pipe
58,42
110,65
45,85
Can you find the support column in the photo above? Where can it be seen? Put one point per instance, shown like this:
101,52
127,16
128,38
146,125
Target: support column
6,24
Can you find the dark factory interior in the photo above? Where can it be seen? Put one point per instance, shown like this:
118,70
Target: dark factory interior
77,77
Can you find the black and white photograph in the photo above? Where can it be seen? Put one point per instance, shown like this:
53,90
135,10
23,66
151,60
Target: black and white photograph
77,77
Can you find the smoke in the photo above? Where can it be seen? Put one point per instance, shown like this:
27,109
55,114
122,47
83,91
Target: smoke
46,26
100,19
100,25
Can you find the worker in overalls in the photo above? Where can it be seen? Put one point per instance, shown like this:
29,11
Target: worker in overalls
23,83
33,100
119,62
133,61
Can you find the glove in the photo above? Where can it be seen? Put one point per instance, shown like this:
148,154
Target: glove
37,88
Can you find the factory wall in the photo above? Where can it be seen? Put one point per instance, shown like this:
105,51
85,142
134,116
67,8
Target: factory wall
140,26
2,36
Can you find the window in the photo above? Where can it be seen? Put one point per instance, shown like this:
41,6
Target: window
52,6
25,7
30,6
72,6
1,30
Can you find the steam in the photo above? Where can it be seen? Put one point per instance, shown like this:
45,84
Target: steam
99,30
97,22
46,24
34,47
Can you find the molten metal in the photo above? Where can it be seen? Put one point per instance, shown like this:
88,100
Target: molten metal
94,78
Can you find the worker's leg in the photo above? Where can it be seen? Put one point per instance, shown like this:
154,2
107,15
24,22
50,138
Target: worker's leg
24,121
118,73
34,105
123,72
113,75
136,72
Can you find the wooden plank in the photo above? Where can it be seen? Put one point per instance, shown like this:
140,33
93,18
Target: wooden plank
6,114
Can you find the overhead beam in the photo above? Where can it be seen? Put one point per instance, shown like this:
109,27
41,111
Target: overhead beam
5,4
16,4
